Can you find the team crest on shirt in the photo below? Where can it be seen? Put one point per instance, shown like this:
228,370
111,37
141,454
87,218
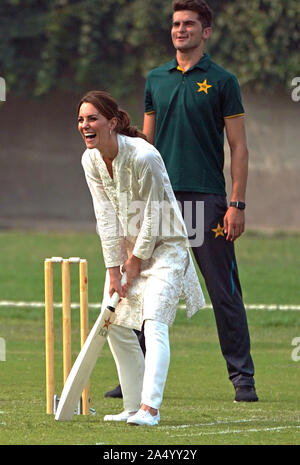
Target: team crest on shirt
204,86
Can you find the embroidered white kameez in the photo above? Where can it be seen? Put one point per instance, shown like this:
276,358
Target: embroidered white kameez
137,212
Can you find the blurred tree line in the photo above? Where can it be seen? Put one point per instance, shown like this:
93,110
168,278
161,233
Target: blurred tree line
112,44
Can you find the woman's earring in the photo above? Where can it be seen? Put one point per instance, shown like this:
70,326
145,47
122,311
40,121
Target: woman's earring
110,132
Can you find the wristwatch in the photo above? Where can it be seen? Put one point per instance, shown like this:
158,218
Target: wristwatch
240,205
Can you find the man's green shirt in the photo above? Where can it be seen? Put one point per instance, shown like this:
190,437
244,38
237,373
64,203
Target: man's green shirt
190,108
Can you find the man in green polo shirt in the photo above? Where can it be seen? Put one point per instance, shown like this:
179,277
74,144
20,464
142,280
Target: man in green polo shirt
188,103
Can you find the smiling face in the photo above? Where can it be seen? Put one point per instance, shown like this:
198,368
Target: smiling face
95,128
187,31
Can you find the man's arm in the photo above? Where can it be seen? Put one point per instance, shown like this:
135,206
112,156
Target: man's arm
234,220
149,127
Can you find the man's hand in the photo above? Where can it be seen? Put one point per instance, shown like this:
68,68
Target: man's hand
234,223
132,267
115,281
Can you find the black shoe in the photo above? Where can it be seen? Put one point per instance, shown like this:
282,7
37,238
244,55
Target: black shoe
245,394
116,393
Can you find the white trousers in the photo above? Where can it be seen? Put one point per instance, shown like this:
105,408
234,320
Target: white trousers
142,379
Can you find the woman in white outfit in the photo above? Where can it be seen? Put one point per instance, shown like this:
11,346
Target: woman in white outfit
142,233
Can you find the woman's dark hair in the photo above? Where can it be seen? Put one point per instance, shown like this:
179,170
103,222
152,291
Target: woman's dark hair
108,107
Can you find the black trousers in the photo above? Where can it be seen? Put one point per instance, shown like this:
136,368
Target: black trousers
217,263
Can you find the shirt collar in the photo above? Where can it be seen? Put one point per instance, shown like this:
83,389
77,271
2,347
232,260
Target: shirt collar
202,64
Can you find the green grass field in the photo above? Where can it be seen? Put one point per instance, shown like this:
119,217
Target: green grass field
198,407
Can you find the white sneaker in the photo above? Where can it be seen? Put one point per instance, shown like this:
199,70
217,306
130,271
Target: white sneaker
144,418
123,416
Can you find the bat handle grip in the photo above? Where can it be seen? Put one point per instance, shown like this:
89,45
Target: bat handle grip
115,297
114,300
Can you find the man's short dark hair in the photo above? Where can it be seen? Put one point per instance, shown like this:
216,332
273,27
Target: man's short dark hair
199,6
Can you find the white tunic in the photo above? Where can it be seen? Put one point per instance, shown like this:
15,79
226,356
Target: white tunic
137,212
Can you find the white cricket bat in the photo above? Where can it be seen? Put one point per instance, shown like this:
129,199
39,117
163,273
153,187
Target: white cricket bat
86,360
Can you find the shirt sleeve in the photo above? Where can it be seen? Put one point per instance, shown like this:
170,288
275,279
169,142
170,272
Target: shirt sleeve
151,191
108,226
231,99
148,102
